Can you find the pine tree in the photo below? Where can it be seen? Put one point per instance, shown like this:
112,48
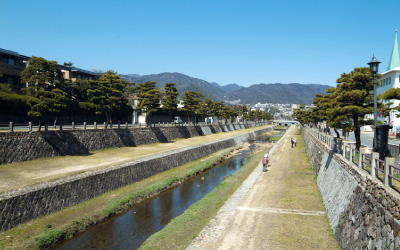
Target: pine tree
192,102
107,95
354,99
170,101
149,98
47,84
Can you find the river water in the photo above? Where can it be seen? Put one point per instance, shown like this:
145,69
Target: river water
131,229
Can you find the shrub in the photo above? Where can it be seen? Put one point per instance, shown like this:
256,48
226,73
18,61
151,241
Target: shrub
48,238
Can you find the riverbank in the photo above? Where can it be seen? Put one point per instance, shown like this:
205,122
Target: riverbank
54,227
183,229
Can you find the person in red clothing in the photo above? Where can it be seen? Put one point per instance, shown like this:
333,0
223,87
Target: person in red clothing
265,161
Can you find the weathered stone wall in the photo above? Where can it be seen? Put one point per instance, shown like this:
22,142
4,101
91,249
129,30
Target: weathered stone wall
29,203
24,146
362,212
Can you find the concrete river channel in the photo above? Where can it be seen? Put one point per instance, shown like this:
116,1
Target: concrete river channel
131,229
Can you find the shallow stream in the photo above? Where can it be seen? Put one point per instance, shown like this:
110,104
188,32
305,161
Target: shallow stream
131,229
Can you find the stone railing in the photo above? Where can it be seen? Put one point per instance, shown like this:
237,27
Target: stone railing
30,127
384,170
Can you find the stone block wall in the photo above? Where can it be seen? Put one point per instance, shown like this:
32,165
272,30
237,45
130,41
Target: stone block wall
23,205
362,212
24,146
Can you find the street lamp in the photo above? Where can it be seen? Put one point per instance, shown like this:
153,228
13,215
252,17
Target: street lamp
374,65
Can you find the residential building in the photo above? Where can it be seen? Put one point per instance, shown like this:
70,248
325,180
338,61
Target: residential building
74,73
11,66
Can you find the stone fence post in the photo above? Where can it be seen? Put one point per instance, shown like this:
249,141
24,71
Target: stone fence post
374,157
387,170
73,125
30,126
352,151
11,127
84,125
363,151
345,143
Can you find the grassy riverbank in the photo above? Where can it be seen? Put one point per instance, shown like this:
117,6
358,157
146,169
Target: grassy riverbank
47,230
180,232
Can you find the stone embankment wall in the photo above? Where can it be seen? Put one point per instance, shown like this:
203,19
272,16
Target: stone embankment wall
24,146
362,212
33,202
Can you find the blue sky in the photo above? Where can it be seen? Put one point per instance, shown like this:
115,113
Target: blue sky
223,41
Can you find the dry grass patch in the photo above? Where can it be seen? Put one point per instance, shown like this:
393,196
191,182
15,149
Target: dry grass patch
313,233
301,191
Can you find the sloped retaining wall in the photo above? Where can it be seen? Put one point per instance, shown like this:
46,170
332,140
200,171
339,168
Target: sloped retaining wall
24,146
362,212
33,202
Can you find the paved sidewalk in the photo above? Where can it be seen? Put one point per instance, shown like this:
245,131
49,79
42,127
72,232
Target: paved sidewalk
278,209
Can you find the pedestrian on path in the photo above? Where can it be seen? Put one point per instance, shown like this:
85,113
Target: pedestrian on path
292,141
295,142
265,161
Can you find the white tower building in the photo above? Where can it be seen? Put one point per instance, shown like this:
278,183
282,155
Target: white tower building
391,79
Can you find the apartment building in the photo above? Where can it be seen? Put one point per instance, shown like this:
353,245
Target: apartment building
11,66
74,73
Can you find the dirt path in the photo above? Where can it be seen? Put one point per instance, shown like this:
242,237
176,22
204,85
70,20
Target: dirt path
282,210
23,174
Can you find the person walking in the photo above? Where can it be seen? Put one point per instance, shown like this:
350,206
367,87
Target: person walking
292,141
265,162
295,142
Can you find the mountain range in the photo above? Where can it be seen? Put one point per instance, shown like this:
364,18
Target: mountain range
291,93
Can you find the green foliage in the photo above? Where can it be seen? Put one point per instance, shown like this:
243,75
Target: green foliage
170,101
48,238
148,97
354,99
192,102
15,104
107,94
390,94
4,87
41,74
45,82
47,102
344,106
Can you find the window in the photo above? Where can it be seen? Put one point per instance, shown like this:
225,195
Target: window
4,60
78,76
10,80
11,61
390,80
90,78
